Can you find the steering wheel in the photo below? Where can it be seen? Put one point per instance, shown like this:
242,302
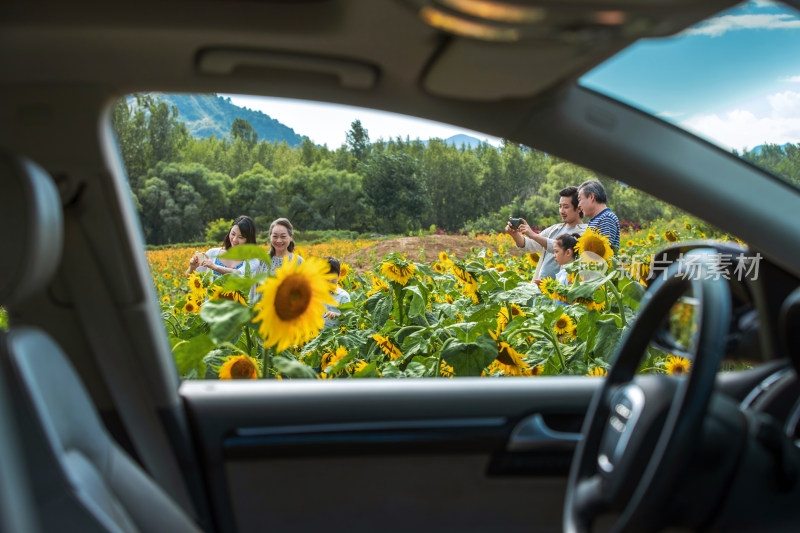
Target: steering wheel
639,432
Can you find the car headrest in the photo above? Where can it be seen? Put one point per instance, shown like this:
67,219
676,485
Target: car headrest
31,228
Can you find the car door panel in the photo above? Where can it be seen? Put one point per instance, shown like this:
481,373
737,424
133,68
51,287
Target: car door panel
461,455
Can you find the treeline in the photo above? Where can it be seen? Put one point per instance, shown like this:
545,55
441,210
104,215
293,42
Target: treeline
181,184
783,161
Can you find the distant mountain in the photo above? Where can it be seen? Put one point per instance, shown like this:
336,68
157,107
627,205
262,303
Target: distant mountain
460,140
208,114
758,149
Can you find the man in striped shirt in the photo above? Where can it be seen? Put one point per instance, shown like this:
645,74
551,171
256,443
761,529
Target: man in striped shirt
592,201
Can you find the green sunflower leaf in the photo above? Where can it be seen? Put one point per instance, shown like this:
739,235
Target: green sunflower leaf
469,359
225,318
293,369
247,251
189,354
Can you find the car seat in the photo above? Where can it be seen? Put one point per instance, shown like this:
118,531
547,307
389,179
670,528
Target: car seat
81,479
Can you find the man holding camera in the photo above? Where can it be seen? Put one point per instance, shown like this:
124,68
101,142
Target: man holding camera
531,242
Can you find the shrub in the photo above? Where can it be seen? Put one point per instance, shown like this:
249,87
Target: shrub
217,229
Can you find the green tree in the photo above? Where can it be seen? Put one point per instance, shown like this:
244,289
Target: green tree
242,129
395,192
358,141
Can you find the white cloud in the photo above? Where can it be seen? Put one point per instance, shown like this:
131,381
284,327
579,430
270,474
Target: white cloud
670,114
791,79
719,25
744,128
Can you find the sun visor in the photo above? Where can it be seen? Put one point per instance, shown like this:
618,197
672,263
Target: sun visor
476,70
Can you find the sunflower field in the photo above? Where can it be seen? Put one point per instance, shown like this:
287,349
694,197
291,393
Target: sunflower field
478,315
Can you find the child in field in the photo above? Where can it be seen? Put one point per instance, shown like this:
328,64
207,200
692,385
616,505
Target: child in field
341,296
564,252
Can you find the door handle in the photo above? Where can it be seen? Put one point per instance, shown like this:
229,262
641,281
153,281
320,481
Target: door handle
533,433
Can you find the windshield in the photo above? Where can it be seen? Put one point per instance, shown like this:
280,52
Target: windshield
733,79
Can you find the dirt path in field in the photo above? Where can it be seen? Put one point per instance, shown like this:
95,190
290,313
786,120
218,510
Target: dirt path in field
419,249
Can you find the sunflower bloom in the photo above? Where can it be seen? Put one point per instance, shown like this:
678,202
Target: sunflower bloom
397,273
670,236
533,259
377,285
239,367
344,271
191,307
445,370
439,268
291,306
235,296
392,351
563,324
466,279
535,370
444,259
502,316
331,358
677,366
195,282
595,243
597,372
509,361
165,299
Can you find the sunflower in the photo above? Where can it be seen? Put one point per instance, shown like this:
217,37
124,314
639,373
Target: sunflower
176,282
597,372
547,286
509,361
439,268
651,237
500,267
687,226
388,348
502,316
445,370
331,358
533,258
359,366
670,236
596,306
344,271
535,370
677,366
217,293
501,250
291,306
398,273
191,307
238,367
593,242
165,299
630,243
195,283
466,279
563,324
377,285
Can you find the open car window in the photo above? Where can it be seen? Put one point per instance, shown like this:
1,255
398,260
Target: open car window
727,80
429,283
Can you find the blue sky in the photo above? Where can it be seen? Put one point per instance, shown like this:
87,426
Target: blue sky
734,78
329,124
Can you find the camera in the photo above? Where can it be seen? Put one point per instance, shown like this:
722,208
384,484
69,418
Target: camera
515,222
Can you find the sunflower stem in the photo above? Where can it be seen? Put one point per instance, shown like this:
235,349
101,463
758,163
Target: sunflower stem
266,362
618,297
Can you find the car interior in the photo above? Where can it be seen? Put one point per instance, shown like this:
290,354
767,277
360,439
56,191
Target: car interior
97,431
